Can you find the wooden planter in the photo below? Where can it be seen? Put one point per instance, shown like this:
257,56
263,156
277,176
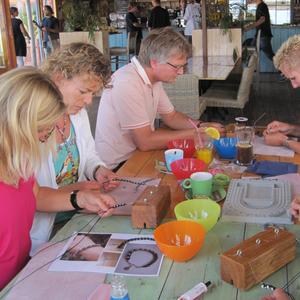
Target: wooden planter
101,39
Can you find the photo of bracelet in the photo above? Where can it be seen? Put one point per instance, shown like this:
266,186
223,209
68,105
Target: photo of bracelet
140,263
137,258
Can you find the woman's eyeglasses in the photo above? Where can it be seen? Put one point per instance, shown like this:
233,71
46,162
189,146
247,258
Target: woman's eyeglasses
46,137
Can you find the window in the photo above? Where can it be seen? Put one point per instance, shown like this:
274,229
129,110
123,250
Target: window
280,10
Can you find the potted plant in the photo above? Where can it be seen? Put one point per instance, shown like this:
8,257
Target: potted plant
84,23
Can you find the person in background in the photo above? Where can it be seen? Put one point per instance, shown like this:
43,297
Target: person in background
159,16
192,19
80,71
263,24
287,60
127,112
182,6
133,25
19,32
50,27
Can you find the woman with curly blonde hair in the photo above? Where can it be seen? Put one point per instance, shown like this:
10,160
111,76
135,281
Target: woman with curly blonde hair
79,71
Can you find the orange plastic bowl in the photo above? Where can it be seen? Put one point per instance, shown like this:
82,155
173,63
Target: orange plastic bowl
179,240
184,168
187,145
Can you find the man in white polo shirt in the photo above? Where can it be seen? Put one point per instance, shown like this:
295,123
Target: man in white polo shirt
128,108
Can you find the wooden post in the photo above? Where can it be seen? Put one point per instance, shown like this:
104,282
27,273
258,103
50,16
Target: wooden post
204,37
9,53
204,27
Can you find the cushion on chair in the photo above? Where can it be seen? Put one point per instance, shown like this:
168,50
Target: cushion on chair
221,98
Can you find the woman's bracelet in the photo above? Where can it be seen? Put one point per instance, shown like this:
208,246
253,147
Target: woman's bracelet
95,171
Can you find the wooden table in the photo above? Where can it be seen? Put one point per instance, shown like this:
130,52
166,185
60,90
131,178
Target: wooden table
211,67
176,278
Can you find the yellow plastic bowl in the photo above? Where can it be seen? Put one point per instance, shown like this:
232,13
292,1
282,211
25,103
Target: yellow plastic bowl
179,240
203,211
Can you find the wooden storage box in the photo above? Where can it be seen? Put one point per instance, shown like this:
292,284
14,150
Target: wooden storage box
251,261
151,207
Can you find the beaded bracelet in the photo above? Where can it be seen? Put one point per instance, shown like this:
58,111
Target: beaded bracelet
148,264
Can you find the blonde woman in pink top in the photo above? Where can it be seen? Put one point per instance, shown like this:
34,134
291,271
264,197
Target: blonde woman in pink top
30,105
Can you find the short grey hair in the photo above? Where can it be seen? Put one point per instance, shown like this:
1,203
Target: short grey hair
288,55
162,44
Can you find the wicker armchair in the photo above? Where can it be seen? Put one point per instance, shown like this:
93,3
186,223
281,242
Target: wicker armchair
184,94
231,95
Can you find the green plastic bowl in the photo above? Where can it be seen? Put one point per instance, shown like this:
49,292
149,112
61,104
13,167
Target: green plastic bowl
203,211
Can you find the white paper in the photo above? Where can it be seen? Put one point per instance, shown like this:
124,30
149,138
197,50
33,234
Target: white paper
259,147
99,253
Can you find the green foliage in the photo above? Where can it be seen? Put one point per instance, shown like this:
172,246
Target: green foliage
225,23
79,16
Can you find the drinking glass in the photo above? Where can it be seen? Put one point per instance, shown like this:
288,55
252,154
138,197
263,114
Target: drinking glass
244,145
204,147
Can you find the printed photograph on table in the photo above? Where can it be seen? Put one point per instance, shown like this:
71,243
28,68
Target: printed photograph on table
139,259
109,259
86,247
109,253
115,245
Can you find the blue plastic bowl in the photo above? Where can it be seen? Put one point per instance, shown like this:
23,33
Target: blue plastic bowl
226,147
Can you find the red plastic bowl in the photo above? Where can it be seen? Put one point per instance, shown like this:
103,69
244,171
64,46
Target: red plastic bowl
187,145
183,168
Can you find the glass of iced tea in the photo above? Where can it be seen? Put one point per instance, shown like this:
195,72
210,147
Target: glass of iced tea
244,145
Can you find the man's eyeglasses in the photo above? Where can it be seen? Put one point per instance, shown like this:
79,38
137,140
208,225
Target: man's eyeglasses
177,67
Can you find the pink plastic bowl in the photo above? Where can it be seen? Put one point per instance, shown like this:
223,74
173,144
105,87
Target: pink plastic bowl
183,168
187,145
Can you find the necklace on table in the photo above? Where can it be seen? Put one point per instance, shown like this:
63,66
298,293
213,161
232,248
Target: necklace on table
62,131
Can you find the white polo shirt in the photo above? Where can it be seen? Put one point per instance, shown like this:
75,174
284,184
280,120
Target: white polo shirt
132,102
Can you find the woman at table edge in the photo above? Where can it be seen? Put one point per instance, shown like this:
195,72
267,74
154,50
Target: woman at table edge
281,134
80,71
30,105
286,60
278,294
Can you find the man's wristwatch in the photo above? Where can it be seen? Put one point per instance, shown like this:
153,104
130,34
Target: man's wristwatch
73,200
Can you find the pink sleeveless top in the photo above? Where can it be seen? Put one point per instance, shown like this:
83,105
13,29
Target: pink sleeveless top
17,207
